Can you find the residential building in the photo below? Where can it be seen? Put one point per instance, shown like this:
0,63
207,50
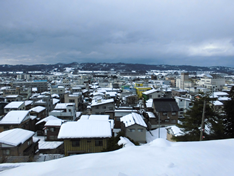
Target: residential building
14,105
134,127
16,119
17,142
65,111
100,106
167,111
74,98
85,136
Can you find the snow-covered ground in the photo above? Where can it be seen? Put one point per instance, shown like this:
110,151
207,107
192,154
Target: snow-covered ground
158,158
154,134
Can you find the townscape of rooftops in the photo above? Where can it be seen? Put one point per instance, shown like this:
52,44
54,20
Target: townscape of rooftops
62,112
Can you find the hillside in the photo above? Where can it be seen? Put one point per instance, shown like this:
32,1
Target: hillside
158,158
111,66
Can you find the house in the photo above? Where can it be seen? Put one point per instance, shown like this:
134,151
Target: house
167,111
17,142
100,106
153,93
40,125
14,105
173,131
10,98
120,112
183,104
74,98
28,104
52,128
38,111
65,111
85,136
16,119
44,100
134,127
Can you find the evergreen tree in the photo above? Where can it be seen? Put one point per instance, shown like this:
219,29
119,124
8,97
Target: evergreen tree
190,124
229,115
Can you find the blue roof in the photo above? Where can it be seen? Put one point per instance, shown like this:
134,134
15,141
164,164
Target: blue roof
40,81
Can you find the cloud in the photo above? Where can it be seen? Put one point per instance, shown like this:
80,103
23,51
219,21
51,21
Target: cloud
155,32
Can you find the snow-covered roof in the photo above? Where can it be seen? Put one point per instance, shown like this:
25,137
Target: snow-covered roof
45,145
55,96
224,98
220,94
14,104
217,103
12,96
15,117
37,109
149,103
47,119
34,89
63,105
150,91
101,101
175,130
150,114
132,119
28,102
55,101
54,122
78,114
15,136
99,117
85,129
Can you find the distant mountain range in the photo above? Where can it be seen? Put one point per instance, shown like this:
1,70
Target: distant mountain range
111,66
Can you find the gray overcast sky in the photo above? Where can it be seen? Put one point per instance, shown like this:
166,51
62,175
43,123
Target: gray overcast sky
191,32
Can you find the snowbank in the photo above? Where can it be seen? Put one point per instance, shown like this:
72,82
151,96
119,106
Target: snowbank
158,158
125,142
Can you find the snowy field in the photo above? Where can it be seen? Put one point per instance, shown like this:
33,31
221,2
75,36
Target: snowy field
158,158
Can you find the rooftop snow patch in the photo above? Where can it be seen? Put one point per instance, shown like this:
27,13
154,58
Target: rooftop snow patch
15,136
14,104
85,129
132,119
15,117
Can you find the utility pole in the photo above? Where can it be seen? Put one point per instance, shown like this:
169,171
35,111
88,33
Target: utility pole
159,125
202,123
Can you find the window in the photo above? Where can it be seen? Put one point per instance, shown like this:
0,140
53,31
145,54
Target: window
132,130
140,130
159,96
88,141
76,143
96,107
29,142
6,151
52,137
6,128
71,101
164,114
104,107
110,108
52,129
173,113
98,142
173,121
